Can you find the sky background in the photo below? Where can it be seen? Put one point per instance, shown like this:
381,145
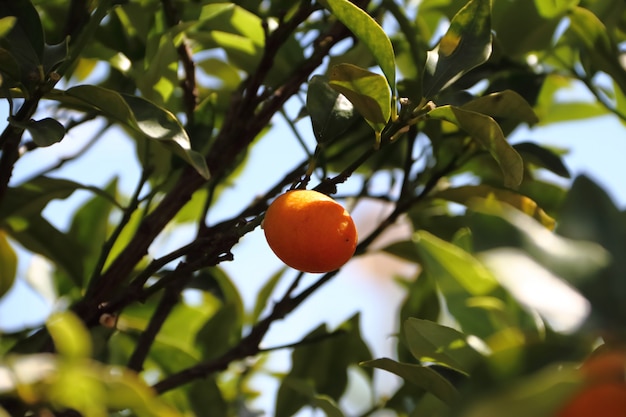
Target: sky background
366,285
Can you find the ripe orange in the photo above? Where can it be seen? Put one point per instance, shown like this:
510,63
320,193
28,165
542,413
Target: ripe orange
604,393
599,400
310,231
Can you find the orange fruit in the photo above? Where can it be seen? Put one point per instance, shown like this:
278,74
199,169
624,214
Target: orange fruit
310,231
604,392
599,400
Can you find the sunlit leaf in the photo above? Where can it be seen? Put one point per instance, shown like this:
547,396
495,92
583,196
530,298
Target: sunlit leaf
554,8
71,338
368,31
466,195
422,376
432,342
8,264
367,91
484,130
465,45
443,257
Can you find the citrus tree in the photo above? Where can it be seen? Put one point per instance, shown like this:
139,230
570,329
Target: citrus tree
423,95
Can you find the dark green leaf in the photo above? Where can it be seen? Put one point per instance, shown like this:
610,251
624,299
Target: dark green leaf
206,398
331,113
46,132
8,264
484,130
542,157
466,44
367,31
432,342
367,91
422,376
589,214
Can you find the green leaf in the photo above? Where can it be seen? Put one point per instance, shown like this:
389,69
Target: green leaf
368,31
71,338
503,104
143,116
554,8
603,53
219,333
46,132
444,258
571,110
6,24
484,130
467,195
422,376
466,44
206,398
542,157
264,294
331,113
37,235
367,91
8,264
324,363
432,342
589,214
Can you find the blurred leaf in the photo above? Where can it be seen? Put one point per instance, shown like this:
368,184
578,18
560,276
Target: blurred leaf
368,92
505,104
8,264
594,37
465,45
264,294
37,235
484,130
432,342
71,338
467,195
443,258
589,214
145,117
575,260
6,24
331,112
26,37
368,31
160,78
206,398
323,362
422,376
90,226
513,17
567,111
46,132
221,332
550,9
542,157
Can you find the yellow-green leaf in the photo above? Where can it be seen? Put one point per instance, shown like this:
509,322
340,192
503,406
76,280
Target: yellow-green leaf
8,264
